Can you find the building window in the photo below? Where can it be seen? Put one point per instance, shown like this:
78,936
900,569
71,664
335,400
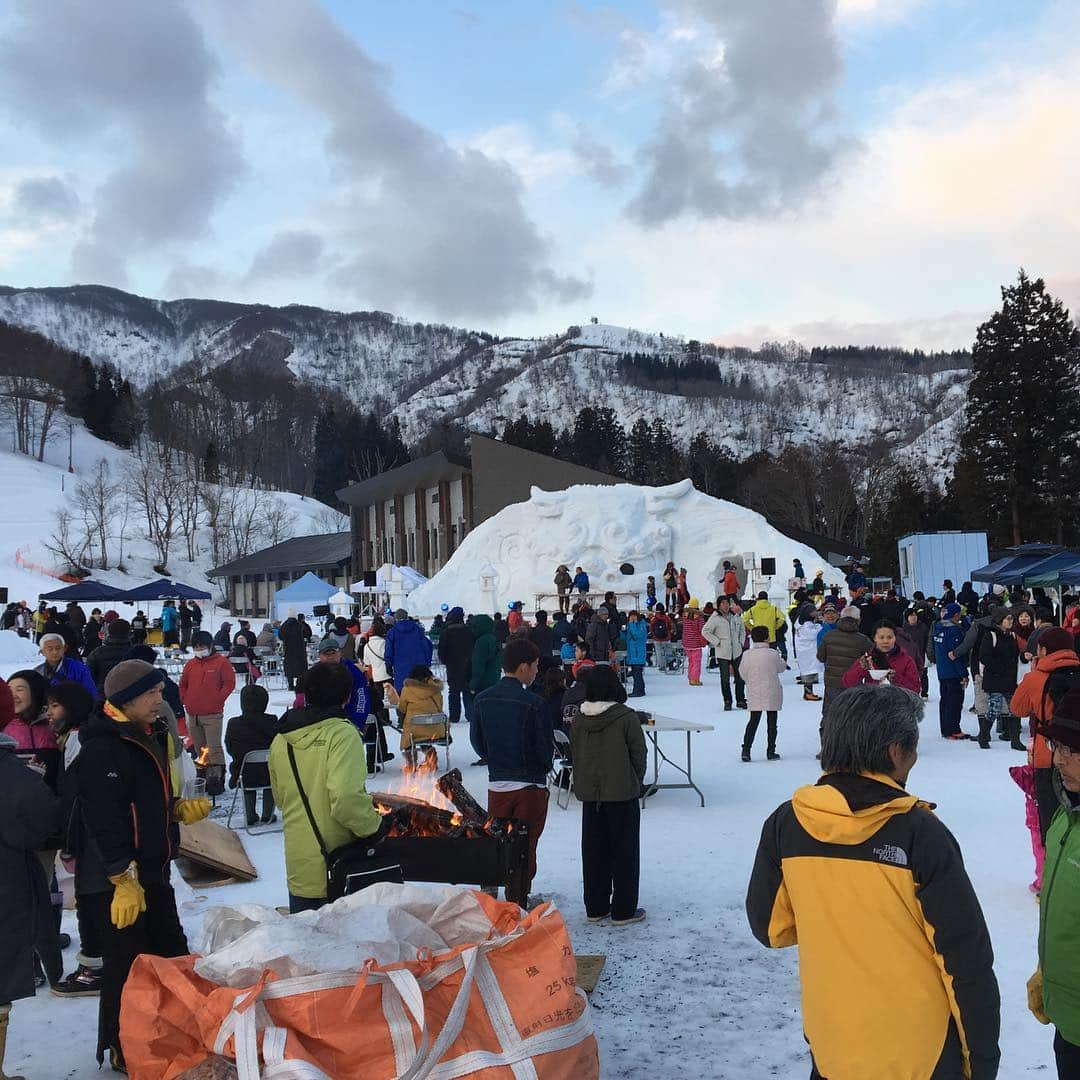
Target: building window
435,545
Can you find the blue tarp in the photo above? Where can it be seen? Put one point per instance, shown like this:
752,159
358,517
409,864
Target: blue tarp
85,592
992,571
302,595
163,589
1044,572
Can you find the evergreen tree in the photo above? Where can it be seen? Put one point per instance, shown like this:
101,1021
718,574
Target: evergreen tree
639,452
211,463
329,457
1026,380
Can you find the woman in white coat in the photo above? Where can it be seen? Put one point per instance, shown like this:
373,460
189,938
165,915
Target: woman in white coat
807,628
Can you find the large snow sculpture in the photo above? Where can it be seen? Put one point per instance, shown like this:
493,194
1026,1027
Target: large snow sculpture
513,555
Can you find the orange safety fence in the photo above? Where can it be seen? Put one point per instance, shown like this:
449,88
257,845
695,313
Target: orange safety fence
504,1007
37,568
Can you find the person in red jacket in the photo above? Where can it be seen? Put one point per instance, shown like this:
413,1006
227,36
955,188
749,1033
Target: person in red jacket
693,640
730,585
205,686
885,654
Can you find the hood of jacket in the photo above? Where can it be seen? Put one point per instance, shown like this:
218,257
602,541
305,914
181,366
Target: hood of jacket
432,686
254,700
303,719
843,808
481,625
1063,658
594,716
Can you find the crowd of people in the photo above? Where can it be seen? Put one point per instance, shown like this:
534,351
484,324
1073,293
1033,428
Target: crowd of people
97,734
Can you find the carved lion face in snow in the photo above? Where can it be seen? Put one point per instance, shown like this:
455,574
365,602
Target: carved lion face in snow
622,524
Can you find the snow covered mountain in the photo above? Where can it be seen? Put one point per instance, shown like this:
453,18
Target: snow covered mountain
428,374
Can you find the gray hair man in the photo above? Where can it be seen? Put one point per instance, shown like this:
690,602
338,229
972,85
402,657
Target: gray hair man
861,876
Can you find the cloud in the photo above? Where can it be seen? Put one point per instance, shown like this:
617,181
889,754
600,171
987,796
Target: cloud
292,253
193,280
598,159
46,198
419,222
885,11
748,120
136,77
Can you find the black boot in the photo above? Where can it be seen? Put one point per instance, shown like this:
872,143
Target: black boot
1013,727
984,732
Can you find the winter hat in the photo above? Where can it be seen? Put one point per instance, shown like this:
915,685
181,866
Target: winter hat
851,612
1054,639
202,639
693,604
1064,726
998,590
998,615
457,614
129,680
950,610
254,700
329,644
142,652
119,630
400,614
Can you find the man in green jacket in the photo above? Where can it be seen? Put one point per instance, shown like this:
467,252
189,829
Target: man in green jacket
1054,989
332,763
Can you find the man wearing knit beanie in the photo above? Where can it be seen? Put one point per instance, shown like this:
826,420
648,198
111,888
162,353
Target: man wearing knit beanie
129,808
1055,1000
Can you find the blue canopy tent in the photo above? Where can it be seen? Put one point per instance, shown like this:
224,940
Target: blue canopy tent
992,572
302,596
163,589
1043,573
85,592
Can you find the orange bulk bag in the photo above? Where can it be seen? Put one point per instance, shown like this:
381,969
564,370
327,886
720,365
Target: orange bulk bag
481,1010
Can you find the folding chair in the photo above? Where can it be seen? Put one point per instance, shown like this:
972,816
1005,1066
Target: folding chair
561,772
253,757
432,719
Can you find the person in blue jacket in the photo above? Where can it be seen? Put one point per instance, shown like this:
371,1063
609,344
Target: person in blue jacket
170,624
952,670
856,579
407,646
59,667
636,634
581,581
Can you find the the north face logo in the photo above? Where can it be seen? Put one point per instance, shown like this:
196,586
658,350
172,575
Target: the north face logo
890,853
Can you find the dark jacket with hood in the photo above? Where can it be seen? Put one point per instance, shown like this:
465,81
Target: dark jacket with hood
915,640
253,729
543,637
29,816
511,730
294,645
126,796
487,654
609,752
407,646
998,659
105,657
839,649
456,649
894,956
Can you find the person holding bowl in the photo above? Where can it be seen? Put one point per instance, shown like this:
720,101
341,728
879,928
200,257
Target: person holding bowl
885,663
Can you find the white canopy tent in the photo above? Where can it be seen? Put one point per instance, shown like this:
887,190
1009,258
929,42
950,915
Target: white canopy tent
341,603
392,584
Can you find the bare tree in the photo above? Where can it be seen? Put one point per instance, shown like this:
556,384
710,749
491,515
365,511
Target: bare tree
68,541
31,405
150,482
96,499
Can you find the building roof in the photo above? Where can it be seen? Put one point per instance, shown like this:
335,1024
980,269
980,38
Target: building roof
426,471
299,553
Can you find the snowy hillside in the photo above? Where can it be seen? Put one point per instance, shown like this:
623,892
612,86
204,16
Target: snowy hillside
31,494
429,374
508,558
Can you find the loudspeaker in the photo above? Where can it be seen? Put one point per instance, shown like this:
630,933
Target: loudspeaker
369,579
768,566
3,595
320,609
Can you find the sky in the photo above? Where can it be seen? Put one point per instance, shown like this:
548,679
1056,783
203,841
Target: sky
830,171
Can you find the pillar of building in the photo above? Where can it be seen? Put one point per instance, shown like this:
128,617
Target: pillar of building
423,545
401,550
467,502
444,522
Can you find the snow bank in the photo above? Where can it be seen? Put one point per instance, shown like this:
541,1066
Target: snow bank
513,555
15,650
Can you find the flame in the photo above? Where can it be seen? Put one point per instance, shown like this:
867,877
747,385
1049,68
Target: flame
419,782
204,757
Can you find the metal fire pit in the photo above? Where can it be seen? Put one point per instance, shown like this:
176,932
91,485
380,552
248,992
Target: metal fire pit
435,845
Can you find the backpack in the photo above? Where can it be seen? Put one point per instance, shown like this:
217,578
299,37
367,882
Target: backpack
660,630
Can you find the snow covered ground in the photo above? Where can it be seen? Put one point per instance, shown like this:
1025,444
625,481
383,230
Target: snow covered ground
690,993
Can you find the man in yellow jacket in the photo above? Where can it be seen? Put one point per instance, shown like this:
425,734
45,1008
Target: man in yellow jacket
764,613
331,762
894,956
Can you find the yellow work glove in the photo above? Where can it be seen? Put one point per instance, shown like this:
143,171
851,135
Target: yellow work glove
188,811
1035,997
128,900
